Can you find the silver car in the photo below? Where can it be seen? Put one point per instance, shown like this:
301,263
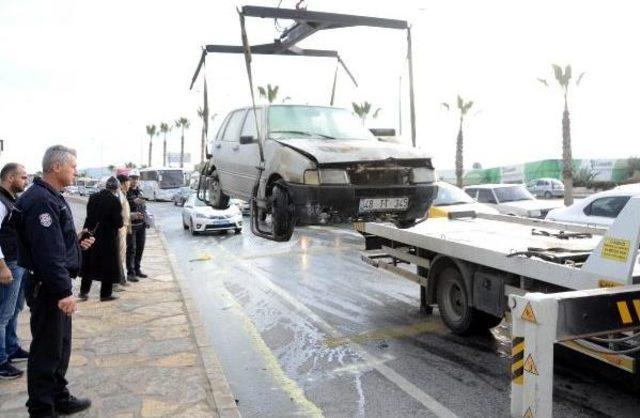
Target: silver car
546,187
318,161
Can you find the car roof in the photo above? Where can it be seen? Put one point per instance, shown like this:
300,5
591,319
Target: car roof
618,191
492,185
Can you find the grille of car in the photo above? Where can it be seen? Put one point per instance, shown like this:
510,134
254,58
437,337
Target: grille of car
378,175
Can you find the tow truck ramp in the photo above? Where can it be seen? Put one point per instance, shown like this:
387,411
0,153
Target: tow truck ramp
560,283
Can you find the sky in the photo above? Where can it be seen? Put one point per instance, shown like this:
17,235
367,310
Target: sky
92,74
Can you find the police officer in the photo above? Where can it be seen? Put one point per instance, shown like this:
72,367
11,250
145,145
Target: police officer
50,250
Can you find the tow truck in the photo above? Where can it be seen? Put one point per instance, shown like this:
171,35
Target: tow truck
468,264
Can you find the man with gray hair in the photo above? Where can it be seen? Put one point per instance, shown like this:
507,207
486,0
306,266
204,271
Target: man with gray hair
50,251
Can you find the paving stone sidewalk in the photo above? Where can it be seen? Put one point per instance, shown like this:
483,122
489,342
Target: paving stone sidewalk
144,355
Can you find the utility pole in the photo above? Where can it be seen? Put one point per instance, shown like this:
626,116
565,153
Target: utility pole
399,105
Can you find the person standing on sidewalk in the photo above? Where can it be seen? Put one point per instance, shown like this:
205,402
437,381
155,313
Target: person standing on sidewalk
102,261
122,175
13,179
137,238
50,250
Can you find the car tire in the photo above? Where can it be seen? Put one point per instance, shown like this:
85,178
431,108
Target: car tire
185,226
282,212
547,195
237,231
219,199
192,229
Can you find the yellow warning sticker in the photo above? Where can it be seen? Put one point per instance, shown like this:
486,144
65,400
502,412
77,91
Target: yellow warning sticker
615,249
530,365
528,414
608,283
625,315
528,314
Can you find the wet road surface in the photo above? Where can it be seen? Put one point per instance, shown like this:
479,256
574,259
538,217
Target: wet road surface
306,328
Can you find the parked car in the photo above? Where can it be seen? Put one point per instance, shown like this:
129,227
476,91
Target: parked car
71,190
546,187
511,199
599,209
245,207
182,195
197,217
449,198
318,161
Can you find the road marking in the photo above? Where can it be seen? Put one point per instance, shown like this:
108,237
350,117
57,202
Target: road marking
412,390
288,385
384,333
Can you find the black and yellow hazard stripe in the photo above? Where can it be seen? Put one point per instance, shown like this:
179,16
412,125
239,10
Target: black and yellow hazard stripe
625,309
517,360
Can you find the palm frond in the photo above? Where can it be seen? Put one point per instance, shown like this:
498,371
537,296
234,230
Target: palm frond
446,105
567,75
557,71
579,79
375,114
543,81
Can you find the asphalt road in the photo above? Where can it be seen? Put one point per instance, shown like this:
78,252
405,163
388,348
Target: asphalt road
306,328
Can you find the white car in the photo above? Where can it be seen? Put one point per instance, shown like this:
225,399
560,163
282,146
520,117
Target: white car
511,199
599,209
197,217
245,207
451,199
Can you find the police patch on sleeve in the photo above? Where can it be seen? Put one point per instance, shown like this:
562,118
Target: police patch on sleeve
45,220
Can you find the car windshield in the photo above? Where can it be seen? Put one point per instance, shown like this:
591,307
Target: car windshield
512,194
315,122
169,179
450,195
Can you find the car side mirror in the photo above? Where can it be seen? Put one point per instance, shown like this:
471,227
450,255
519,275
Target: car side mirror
247,139
378,132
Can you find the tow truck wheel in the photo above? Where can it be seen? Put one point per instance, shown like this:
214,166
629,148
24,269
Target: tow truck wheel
453,301
282,214
405,223
219,200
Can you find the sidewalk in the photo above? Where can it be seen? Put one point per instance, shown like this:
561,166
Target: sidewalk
144,355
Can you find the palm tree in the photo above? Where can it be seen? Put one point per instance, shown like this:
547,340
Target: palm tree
564,78
202,116
164,128
363,110
151,131
463,108
182,123
270,93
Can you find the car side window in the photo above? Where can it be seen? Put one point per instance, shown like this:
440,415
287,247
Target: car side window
486,196
232,130
541,183
606,207
249,127
222,127
471,192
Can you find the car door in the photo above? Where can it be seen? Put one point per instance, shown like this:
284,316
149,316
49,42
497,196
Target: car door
248,155
225,149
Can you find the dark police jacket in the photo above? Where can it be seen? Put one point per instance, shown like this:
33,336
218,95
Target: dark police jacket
48,243
132,195
8,239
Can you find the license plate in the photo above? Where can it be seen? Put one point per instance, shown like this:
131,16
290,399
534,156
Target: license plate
384,204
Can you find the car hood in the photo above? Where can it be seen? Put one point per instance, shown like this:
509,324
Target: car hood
441,211
531,205
326,151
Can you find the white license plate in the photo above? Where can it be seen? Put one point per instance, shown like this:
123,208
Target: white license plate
384,204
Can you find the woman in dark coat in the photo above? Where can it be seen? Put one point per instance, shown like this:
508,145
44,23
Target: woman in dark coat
102,261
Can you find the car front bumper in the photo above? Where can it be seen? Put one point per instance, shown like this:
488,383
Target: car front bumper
311,201
206,224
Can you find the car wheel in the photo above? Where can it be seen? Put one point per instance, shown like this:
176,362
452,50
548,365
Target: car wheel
175,203
547,195
192,229
219,200
282,212
238,230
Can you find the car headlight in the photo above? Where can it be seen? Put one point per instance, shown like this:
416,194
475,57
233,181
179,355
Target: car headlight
422,175
312,177
334,177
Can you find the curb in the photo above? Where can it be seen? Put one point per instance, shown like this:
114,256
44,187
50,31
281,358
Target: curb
223,398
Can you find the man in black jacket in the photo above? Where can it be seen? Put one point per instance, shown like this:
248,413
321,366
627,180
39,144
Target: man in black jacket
49,249
135,240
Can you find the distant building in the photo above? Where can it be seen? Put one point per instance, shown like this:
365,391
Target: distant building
601,170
